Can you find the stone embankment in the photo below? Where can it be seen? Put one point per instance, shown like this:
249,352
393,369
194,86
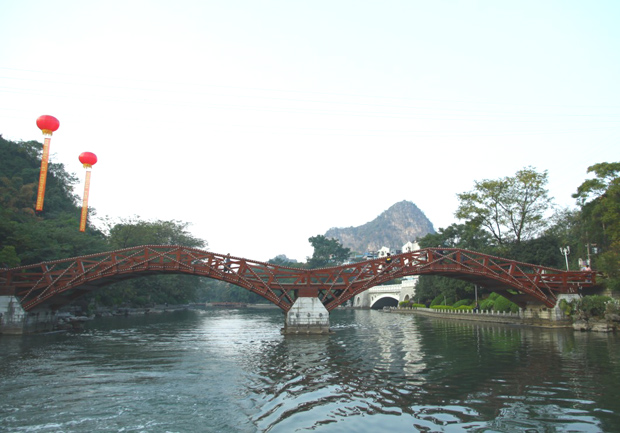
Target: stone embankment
545,318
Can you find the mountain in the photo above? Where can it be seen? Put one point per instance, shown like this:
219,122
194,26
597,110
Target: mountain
396,226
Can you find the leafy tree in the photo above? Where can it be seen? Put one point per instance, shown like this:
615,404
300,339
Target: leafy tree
158,289
599,199
511,209
220,291
466,236
327,252
282,260
543,250
25,236
131,232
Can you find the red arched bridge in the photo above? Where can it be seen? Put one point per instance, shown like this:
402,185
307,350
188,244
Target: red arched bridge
50,285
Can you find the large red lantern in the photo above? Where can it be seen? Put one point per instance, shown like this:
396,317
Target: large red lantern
47,124
87,159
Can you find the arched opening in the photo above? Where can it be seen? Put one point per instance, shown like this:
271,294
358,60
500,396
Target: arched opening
384,302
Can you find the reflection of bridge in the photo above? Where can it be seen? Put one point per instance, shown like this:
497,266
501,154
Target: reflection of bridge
306,295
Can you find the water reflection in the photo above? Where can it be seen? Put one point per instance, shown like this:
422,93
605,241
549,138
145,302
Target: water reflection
429,374
232,371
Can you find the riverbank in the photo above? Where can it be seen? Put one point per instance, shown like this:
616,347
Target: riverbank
532,319
74,318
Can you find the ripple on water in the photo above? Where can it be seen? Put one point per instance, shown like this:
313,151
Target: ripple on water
232,371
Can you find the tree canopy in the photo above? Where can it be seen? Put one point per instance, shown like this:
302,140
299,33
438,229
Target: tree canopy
599,199
511,208
327,252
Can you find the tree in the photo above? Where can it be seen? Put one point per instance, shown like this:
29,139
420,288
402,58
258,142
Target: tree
327,252
466,236
131,232
599,199
511,209
27,237
158,289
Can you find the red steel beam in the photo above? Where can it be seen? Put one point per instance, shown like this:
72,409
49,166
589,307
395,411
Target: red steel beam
50,283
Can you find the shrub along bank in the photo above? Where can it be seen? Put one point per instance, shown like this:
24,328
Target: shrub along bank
595,312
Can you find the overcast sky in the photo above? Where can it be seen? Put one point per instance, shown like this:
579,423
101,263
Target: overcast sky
264,123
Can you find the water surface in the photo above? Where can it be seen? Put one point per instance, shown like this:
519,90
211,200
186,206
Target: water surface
232,371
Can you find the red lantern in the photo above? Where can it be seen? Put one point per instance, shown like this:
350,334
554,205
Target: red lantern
88,159
47,124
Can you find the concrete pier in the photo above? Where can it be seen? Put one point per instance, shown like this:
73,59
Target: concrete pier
14,320
308,315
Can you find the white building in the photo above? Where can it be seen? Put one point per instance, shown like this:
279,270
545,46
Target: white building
389,295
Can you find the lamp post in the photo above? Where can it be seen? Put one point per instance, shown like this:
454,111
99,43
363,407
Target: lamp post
566,252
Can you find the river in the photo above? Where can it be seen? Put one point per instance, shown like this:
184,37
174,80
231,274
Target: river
232,371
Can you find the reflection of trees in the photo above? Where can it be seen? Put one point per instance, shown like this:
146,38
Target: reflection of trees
372,369
512,370
435,372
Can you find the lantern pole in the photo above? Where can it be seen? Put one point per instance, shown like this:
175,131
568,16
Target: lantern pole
47,124
88,159
85,200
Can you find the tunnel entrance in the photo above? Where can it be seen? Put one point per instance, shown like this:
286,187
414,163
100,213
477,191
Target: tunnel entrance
384,302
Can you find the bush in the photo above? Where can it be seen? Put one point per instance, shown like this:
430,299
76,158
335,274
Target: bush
418,306
487,304
463,302
503,304
592,306
465,307
442,307
442,300
567,308
437,301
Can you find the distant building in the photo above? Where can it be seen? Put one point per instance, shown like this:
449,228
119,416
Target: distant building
389,295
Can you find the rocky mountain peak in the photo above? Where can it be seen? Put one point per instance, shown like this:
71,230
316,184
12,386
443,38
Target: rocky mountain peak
401,223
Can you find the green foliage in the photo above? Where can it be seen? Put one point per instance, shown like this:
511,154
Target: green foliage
27,237
599,199
592,306
568,308
327,252
418,306
511,209
442,300
465,236
543,251
468,236
442,307
220,291
488,303
503,304
8,257
131,232
463,302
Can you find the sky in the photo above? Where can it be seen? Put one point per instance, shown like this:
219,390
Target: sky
263,123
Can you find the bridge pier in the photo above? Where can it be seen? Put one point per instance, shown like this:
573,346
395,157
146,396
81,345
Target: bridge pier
14,320
308,315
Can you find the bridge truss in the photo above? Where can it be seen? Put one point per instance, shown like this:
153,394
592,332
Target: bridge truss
56,283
